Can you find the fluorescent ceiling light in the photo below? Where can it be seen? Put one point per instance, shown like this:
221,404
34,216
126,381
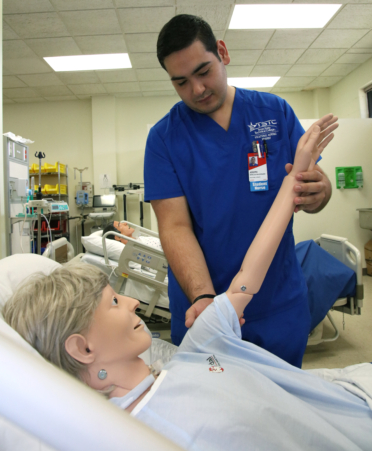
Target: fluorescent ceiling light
253,82
89,62
282,16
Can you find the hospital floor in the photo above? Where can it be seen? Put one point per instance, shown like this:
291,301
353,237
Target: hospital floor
354,345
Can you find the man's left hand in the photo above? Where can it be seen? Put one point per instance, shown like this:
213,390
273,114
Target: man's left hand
313,188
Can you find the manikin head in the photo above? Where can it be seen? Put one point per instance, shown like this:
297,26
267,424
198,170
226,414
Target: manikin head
121,227
74,319
195,61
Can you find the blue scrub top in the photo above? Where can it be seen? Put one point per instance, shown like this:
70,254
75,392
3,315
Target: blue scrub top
189,154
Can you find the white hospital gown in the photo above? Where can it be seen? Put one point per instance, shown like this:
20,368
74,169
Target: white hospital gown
221,393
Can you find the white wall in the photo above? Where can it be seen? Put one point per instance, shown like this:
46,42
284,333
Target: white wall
351,146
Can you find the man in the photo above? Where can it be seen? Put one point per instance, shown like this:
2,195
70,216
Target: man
196,177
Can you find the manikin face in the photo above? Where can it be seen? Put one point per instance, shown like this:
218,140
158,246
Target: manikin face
124,229
116,332
199,77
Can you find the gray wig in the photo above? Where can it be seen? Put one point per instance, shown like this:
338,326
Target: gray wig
46,310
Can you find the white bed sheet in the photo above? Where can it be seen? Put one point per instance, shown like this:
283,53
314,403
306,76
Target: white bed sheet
130,287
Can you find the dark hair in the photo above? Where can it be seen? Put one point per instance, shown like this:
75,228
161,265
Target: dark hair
110,228
180,32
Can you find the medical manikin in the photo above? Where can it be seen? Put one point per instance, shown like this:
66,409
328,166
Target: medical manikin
217,391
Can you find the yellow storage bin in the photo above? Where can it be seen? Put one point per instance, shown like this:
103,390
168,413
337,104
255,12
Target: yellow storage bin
54,168
53,189
36,189
34,168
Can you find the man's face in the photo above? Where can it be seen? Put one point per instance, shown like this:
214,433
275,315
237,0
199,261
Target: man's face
199,77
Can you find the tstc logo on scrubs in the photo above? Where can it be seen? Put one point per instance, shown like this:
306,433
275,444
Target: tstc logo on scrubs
264,130
215,366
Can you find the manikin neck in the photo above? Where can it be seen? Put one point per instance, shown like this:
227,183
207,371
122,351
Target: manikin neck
124,376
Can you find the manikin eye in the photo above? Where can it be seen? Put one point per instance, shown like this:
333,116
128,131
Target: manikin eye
114,301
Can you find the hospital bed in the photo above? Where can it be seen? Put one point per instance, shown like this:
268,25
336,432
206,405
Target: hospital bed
44,409
332,267
135,269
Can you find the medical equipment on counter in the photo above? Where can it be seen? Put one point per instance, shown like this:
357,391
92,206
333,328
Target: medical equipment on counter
132,188
104,209
16,185
82,197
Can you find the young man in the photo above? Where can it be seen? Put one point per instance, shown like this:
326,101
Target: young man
196,177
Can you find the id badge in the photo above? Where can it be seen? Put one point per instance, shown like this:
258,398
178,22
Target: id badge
257,168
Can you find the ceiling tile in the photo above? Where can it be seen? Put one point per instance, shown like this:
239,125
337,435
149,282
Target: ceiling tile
144,20
60,98
15,93
38,25
284,56
143,3
122,87
141,42
244,57
320,56
247,39
324,82
54,46
294,82
26,6
307,69
116,76
216,17
359,51
78,78
293,39
144,60
152,74
91,22
270,70
94,45
30,100
354,58
365,42
337,70
71,5
156,86
88,89
41,80
53,91
8,33
279,90
353,16
159,93
337,39
7,101
238,71
9,81
16,49
26,66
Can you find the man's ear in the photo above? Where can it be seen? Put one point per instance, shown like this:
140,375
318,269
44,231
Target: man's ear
223,52
76,345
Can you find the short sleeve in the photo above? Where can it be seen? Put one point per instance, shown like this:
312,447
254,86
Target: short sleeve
161,180
218,320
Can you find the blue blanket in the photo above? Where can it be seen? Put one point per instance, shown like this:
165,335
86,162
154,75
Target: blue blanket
327,279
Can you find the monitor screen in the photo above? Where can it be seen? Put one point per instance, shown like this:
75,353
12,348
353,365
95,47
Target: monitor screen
104,201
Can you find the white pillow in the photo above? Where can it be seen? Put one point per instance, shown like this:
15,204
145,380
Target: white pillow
17,267
93,243
13,270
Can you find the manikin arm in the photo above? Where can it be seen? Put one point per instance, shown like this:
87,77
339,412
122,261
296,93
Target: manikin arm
263,248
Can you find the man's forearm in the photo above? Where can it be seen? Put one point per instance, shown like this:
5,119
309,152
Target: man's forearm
187,261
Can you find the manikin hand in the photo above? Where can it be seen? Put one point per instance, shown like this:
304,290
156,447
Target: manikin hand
312,186
196,309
